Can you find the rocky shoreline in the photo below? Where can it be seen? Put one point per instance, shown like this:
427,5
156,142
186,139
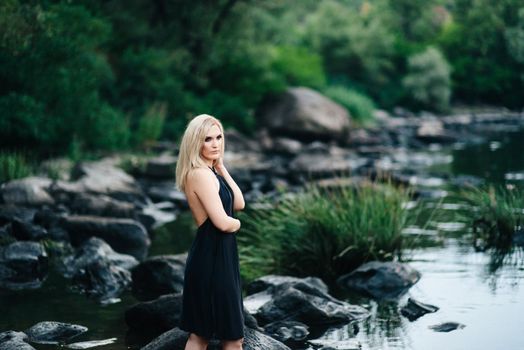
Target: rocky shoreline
98,221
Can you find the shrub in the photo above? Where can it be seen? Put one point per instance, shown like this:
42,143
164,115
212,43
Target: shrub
151,124
323,232
14,166
360,106
428,80
299,66
495,214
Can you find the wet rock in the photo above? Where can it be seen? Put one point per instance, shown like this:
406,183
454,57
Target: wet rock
518,238
23,265
51,332
156,316
159,275
286,145
11,340
5,235
166,191
446,327
328,344
90,344
9,212
272,281
381,280
432,131
304,114
92,250
237,142
102,280
153,215
161,167
286,331
30,191
175,339
303,303
26,231
123,235
319,165
415,309
101,205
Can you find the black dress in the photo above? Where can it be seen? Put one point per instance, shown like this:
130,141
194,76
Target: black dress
212,305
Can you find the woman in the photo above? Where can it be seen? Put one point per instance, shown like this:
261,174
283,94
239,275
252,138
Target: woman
212,304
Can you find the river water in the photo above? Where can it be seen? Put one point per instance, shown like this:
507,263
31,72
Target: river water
479,290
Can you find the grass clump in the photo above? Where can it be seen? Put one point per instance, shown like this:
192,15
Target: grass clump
360,106
14,165
323,232
495,213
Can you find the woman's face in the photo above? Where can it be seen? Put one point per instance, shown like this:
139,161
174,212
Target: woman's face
212,144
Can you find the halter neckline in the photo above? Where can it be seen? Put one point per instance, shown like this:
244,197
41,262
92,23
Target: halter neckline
212,169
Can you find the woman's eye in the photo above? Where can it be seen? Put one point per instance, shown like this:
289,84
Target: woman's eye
208,139
219,137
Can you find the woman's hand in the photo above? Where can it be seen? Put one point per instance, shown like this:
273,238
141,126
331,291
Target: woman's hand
218,163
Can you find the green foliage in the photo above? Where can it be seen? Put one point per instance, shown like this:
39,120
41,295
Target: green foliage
495,214
151,124
299,66
323,232
14,165
428,80
360,106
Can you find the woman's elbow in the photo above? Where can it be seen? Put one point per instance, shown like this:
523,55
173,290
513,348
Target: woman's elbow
240,205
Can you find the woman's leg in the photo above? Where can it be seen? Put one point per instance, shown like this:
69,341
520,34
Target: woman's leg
194,342
232,344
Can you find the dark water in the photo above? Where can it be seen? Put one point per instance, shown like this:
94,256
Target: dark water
481,291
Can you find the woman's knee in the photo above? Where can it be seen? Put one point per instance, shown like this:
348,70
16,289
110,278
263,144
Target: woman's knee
233,344
198,339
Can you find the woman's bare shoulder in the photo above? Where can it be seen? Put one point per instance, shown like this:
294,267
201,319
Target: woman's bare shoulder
199,176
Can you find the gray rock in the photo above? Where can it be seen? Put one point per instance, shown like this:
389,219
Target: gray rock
285,331
238,143
432,131
159,275
381,280
101,205
320,165
102,280
304,114
90,343
30,191
123,235
272,281
9,212
22,265
175,339
162,167
11,340
92,250
446,327
286,146
51,332
26,231
415,309
305,303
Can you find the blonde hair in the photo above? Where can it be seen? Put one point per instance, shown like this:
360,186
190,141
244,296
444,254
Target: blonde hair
191,145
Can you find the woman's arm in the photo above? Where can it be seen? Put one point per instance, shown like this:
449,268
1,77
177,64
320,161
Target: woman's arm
203,183
238,203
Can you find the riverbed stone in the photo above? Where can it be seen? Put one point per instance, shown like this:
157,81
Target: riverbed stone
52,332
10,212
102,280
286,331
23,265
272,281
161,167
446,326
101,205
30,191
415,309
380,280
92,250
303,303
12,340
304,114
26,231
175,339
125,236
158,275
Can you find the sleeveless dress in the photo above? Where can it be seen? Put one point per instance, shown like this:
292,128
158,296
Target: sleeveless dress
212,305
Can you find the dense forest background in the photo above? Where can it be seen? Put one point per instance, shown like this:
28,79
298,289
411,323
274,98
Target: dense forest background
86,75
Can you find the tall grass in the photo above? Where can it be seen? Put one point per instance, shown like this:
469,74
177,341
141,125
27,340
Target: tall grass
495,214
14,165
323,232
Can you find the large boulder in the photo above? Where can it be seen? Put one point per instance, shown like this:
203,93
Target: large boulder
304,114
92,250
51,332
381,280
303,302
176,339
30,191
11,340
123,235
159,275
273,281
23,265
